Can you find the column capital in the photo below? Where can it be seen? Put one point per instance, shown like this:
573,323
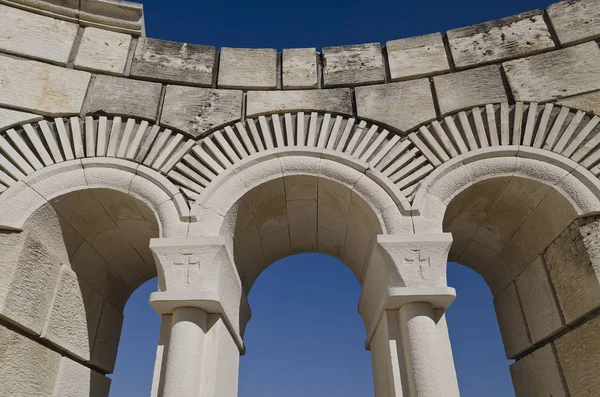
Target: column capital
199,272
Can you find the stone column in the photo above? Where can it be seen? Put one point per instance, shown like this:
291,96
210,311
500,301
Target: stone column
200,290
402,303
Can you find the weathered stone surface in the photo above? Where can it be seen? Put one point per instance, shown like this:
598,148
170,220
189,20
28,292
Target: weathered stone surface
121,16
75,380
103,50
402,105
37,36
575,21
41,88
28,369
174,62
587,102
501,39
558,74
248,68
353,65
538,375
337,100
512,323
299,68
197,110
415,57
475,87
578,352
539,306
573,260
104,352
9,118
127,97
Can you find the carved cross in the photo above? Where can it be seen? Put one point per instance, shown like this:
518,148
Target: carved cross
418,261
187,264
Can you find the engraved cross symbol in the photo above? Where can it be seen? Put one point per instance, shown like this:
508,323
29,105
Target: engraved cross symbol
417,260
187,265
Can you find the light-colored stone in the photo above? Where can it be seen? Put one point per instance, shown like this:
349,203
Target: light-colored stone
174,62
338,100
554,75
299,68
36,36
538,374
103,51
512,322
501,39
353,65
475,87
415,57
575,21
578,353
587,102
254,68
104,352
28,369
199,110
41,88
10,118
75,380
402,105
127,97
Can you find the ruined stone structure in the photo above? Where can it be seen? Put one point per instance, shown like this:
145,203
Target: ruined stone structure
124,157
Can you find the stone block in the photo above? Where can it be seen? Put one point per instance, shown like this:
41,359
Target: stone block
104,352
74,315
174,62
122,16
558,74
575,21
75,380
578,352
10,118
501,39
248,68
402,105
573,260
337,100
126,97
475,87
302,215
538,375
299,68
415,57
36,36
41,88
587,102
511,321
28,369
198,110
539,305
104,51
353,65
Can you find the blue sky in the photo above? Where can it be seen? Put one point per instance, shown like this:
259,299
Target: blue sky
306,337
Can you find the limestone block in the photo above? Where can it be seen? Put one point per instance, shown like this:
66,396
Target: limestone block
558,74
28,369
539,305
299,68
538,375
511,321
122,16
330,242
248,68
415,57
74,315
41,88
174,62
475,87
269,207
587,102
300,187
103,50
10,118
276,246
501,39
104,352
37,36
353,65
302,215
402,105
337,100
75,380
127,97
198,110
575,21
578,352
334,206
573,260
